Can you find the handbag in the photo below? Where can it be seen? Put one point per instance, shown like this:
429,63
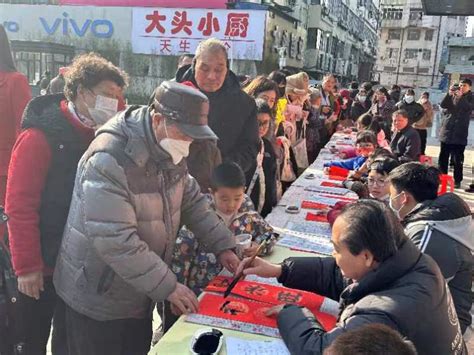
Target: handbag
299,149
287,173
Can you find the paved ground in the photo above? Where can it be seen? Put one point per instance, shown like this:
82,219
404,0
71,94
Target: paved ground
433,151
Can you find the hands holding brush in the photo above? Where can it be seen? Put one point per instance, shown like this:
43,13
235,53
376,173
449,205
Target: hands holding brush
258,267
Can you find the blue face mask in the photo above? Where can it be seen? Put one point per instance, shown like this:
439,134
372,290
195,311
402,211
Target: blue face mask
396,211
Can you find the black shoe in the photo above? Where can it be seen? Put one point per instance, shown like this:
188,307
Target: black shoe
457,185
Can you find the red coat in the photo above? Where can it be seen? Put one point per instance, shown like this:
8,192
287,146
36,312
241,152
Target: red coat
14,95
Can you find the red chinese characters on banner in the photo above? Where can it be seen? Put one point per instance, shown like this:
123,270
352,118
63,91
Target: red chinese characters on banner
155,22
237,25
180,23
209,24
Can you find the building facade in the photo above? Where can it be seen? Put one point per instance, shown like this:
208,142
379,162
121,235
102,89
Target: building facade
460,59
412,47
342,39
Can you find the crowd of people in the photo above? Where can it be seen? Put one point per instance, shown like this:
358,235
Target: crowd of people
115,209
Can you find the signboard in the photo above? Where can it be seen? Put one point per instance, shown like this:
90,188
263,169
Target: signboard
172,31
209,4
66,24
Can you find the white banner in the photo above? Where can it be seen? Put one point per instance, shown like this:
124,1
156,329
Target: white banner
165,31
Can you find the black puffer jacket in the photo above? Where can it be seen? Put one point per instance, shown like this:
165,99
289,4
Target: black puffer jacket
407,293
455,124
442,228
406,145
415,110
233,118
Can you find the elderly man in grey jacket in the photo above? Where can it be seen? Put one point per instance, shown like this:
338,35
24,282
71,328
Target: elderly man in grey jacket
132,194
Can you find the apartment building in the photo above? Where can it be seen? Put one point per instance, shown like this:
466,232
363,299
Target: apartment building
413,46
342,38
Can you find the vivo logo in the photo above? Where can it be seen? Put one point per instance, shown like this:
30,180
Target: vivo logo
11,26
99,28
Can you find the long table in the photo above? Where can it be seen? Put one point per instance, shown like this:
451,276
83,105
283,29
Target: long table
178,338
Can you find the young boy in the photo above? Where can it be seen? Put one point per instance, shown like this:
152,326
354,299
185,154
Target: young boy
195,268
366,143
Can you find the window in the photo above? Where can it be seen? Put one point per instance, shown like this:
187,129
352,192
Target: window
413,35
416,14
411,53
394,34
429,35
423,70
426,54
392,14
391,53
408,69
454,17
312,38
389,69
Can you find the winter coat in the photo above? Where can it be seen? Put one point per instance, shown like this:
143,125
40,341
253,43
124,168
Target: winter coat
232,117
415,111
442,228
349,164
128,205
406,145
196,268
51,144
427,119
313,134
394,95
14,95
385,111
455,124
406,292
204,157
359,108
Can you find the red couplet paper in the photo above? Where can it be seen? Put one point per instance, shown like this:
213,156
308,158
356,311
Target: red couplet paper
330,184
267,295
316,217
335,170
236,309
337,178
310,205
340,198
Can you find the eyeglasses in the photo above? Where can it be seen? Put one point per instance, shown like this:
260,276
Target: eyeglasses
379,183
263,123
364,145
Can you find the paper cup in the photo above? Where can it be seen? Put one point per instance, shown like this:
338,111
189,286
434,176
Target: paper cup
243,242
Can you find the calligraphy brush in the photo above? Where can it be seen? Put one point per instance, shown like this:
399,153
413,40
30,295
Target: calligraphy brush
252,258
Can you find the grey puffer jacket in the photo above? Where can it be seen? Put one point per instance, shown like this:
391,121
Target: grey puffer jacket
129,202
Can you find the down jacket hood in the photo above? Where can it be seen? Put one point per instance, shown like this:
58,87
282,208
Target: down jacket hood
448,214
43,112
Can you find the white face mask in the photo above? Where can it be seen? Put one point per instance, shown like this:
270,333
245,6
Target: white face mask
362,98
176,148
105,108
397,212
409,99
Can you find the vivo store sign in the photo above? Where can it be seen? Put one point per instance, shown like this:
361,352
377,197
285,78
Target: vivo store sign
35,21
